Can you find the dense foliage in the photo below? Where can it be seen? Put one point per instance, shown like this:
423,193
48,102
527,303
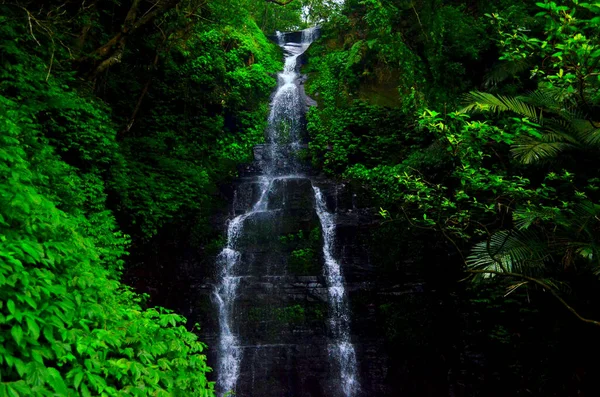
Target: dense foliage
475,125
117,119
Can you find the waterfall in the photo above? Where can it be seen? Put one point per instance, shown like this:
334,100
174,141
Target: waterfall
280,38
339,318
284,123
283,139
230,352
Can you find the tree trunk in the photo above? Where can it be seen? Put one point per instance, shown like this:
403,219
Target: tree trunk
138,105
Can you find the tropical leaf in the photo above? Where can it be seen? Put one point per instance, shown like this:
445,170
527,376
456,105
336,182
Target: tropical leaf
571,112
509,251
584,220
484,101
524,218
506,70
530,150
557,136
588,131
584,225
548,98
563,127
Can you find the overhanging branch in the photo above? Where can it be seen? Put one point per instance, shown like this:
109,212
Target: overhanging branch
543,285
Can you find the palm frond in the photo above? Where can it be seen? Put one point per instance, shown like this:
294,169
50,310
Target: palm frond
588,131
509,251
584,219
529,150
557,93
524,218
482,101
571,112
587,250
579,233
506,70
565,129
546,99
558,136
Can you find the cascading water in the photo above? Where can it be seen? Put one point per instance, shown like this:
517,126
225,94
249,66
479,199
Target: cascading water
284,132
225,293
285,118
229,354
339,318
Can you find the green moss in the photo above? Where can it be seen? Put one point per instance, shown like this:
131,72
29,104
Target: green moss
291,315
304,249
304,261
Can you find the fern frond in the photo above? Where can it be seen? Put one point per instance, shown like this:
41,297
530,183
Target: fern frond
509,251
482,101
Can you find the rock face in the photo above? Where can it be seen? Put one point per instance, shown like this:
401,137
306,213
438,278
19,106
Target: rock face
281,307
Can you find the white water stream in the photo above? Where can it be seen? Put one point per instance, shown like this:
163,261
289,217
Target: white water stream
341,348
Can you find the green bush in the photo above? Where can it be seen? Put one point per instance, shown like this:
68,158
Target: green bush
71,327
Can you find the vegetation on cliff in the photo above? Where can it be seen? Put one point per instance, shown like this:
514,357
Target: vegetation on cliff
475,125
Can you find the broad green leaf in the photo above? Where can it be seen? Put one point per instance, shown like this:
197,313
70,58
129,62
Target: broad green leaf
11,306
57,382
17,334
32,328
78,378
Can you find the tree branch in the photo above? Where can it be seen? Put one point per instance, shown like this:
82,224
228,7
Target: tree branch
541,284
462,257
130,25
280,2
138,105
